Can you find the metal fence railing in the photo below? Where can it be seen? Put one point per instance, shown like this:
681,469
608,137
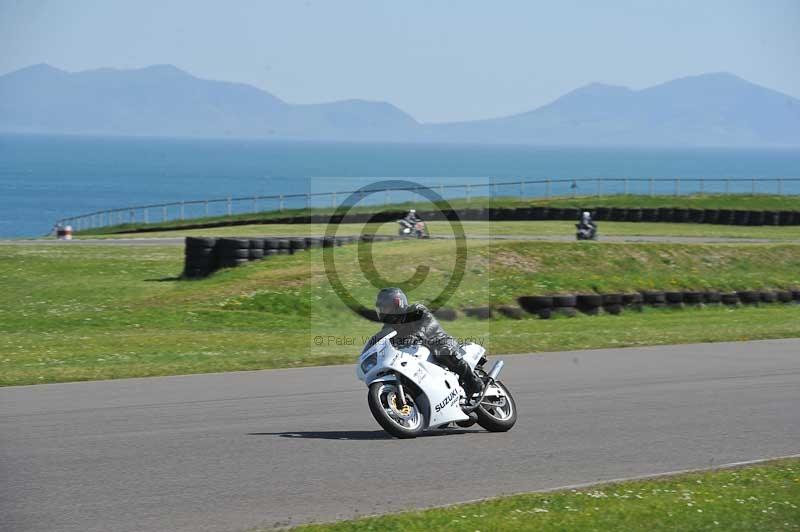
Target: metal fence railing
538,188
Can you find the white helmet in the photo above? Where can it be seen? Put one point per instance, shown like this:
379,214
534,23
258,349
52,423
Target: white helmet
413,211
586,214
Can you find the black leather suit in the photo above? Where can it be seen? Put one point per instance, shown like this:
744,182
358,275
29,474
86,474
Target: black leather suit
418,326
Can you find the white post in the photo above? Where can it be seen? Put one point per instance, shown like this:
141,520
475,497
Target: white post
308,201
280,203
146,216
229,205
164,212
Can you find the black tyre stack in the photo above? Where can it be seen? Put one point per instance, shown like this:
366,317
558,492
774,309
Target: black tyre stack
697,216
233,252
199,257
749,297
635,215
741,217
696,299
665,214
710,216
565,305
589,303
256,249
542,306
445,314
730,298
633,301
725,216
481,313
297,244
755,218
712,297
612,303
674,299
680,216
655,298
650,215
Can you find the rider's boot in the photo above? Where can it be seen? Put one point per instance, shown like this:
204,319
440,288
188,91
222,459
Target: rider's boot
472,384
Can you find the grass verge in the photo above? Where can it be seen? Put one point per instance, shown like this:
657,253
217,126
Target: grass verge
763,497
84,312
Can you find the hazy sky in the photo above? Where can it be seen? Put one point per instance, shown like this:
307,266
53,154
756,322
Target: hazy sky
437,60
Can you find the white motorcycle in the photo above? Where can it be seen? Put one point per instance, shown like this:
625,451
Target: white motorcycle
408,229
409,392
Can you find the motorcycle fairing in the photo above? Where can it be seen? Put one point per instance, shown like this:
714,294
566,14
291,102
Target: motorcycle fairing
439,385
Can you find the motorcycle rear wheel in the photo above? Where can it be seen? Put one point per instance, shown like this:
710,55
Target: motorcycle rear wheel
380,399
497,416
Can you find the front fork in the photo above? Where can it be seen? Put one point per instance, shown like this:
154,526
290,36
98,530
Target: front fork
401,394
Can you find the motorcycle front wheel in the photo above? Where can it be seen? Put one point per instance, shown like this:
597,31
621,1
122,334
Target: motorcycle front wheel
497,413
405,422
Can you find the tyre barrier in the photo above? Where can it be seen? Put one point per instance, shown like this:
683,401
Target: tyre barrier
650,215
730,298
481,313
697,216
711,216
539,305
749,297
680,216
530,213
545,307
205,255
615,303
445,314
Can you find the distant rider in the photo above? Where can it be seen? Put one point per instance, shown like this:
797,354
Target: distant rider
587,222
416,325
412,217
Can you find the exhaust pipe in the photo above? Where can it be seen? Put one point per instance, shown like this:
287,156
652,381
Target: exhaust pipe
496,369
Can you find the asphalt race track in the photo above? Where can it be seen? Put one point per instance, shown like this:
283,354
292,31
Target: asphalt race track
233,451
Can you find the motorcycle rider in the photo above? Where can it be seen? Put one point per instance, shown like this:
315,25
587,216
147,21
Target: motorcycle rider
410,221
416,325
412,217
587,222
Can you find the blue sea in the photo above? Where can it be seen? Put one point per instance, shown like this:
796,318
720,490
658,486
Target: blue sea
45,178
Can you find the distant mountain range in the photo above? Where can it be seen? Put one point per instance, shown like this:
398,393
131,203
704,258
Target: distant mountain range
717,109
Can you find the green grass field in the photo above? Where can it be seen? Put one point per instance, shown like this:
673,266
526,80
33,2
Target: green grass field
757,498
706,201
82,312
486,229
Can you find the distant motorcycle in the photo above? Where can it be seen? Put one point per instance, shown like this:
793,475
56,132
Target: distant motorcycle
409,229
586,232
409,392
